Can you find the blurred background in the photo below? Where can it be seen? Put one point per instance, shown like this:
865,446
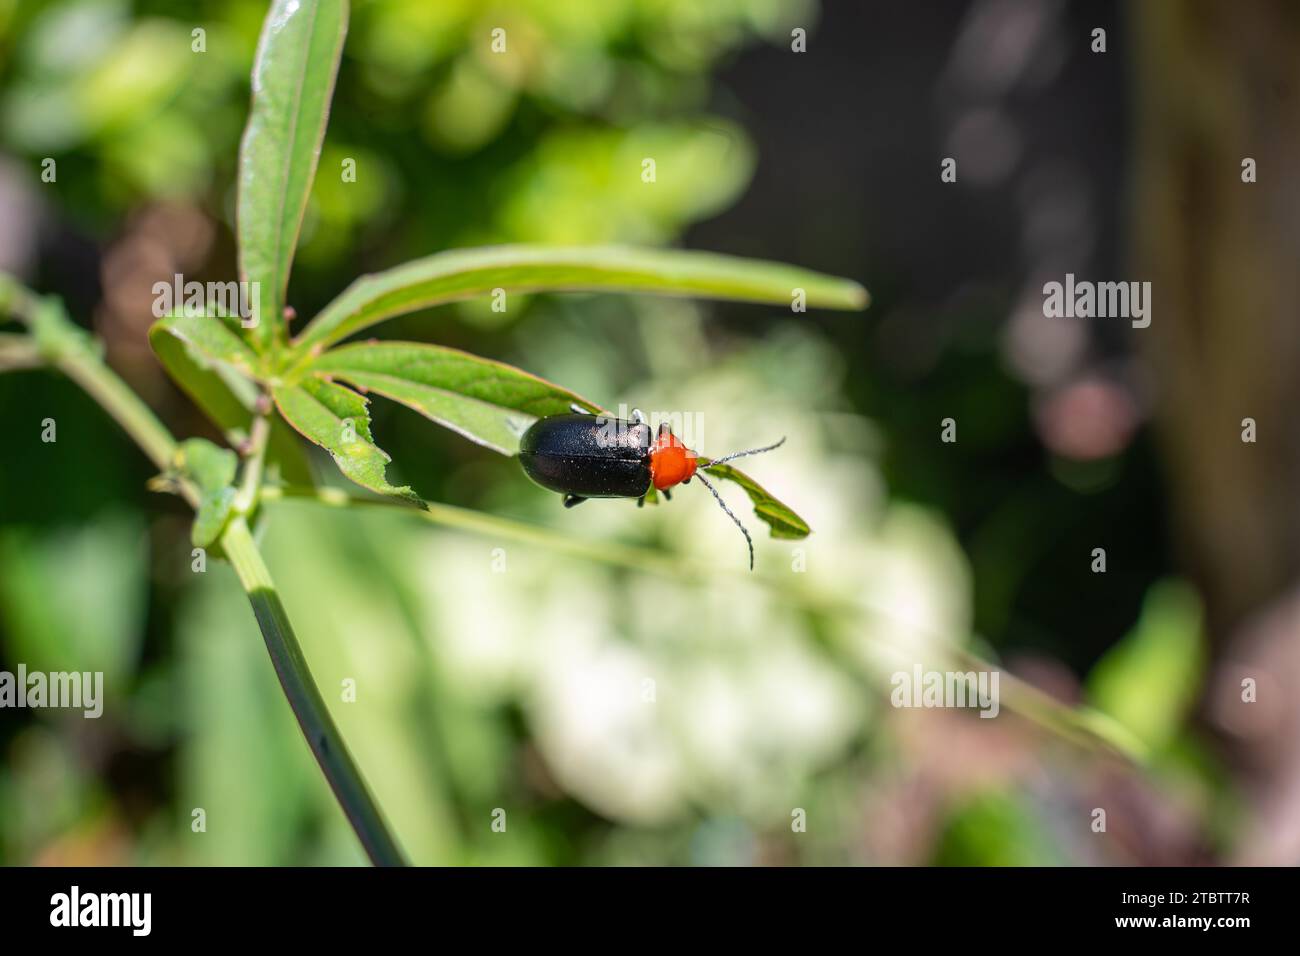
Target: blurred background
496,676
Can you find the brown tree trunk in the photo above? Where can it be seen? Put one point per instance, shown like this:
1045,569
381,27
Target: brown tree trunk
1216,84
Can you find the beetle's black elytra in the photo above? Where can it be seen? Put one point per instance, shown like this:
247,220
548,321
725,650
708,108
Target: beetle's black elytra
588,456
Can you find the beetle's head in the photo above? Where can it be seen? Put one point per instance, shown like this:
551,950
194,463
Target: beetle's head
671,462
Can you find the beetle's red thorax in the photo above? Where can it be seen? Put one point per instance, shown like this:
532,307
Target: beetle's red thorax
671,462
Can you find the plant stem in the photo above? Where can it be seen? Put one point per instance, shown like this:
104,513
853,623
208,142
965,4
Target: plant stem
1087,728
308,706
476,522
56,341
18,352
136,418
72,351
251,486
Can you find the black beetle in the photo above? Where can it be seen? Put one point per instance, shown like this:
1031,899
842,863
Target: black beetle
583,456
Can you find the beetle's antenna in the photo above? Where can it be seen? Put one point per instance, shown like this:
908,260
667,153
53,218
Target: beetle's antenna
739,454
748,540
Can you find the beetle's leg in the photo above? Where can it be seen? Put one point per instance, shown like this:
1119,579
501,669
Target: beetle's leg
637,417
640,502
572,500
668,495
575,407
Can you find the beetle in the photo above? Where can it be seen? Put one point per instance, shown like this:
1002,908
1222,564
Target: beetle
582,455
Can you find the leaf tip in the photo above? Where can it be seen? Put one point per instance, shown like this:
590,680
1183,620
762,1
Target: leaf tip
404,493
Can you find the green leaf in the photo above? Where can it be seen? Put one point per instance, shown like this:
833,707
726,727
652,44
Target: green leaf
211,516
195,374
344,404
213,470
1149,681
783,522
466,273
210,338
488,402
227,399
209,466
320,412
293,82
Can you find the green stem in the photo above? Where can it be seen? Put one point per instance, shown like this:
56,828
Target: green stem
476,522
308,706
251,486
72,351
136,418
18,352
1083,726
56,341
15,298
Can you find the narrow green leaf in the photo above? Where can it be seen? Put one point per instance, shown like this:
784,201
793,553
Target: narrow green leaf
784,523
344,404
211,338
213,470
1148,681
226,398
198,378
320,411
488,402
293,82
463,274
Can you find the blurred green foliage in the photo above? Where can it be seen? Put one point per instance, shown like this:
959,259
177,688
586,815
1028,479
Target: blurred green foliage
524,690
1150,679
